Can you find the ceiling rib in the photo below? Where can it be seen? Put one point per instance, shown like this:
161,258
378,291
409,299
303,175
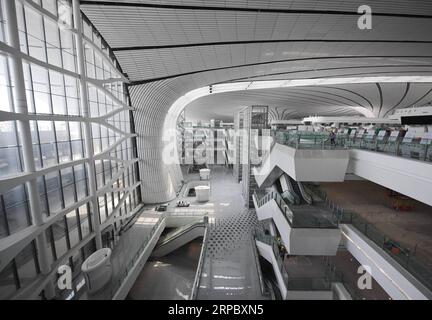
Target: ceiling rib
246,9
139,82
226,43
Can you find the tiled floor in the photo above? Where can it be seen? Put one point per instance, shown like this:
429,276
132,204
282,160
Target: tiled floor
229,270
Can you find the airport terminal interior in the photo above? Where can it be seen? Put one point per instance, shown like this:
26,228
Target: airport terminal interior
215,150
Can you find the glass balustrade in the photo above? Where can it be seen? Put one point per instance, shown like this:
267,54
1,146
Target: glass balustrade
406,257
305,216
337,276
120,277
308,140
292,283
317,140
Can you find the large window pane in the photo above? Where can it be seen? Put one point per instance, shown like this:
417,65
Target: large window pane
64,151
53,43
50,5
59,231
53,191
35,34
77,149
27,265
9,151
5,101
72,95
73,228
16,207
46,131
8,282
58,93
41,89
68,52
84,217
68,186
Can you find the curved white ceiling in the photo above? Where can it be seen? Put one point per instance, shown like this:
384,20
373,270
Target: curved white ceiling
170,47
366,99
193,43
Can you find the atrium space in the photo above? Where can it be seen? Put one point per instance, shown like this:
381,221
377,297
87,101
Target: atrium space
243,150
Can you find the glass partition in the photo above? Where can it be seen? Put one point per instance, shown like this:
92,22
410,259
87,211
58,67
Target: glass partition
419,149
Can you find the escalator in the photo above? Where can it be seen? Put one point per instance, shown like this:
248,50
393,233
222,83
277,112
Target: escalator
270,279
300,192
293,192
179,237
296,191
273,287
305,229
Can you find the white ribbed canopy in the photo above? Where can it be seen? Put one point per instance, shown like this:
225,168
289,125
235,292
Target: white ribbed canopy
168,48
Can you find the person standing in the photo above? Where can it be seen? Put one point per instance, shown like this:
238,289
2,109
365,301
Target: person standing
332,138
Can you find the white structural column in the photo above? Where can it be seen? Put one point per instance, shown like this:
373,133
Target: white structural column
21,107
88,141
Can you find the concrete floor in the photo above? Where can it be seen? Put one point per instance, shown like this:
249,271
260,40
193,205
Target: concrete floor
170,277
310,267
411,229
348,266
304,266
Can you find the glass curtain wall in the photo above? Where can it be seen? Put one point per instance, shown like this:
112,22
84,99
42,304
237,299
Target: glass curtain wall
47,44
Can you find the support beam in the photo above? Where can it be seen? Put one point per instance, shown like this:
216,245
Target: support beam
21,106
88,139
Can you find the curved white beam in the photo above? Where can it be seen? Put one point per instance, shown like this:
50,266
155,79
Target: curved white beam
181,103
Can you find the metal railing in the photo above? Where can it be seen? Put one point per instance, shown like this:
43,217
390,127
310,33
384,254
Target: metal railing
122,274
198,273
297,219
404,256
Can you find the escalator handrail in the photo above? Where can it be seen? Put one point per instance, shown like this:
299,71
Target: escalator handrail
264,292
307,197
291,282
293,191
179,232
198,273
290,215
279,201
265,156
